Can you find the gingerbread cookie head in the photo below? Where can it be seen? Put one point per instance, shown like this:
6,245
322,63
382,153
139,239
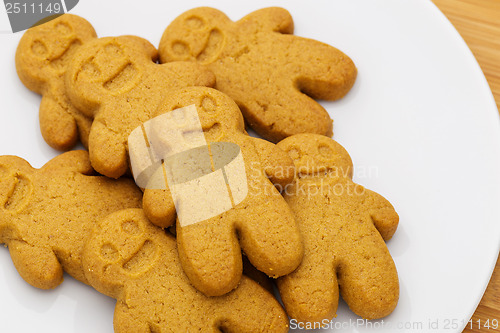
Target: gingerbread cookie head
317,156
47,214
44,51
219,116
200,37
108,67
271,74
137,263
344,227
123,249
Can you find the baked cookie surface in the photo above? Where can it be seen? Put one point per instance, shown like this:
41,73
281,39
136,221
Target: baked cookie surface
261,224
271,74
137,263
344,227
47,214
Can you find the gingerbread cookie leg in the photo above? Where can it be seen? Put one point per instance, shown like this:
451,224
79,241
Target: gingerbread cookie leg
108,152
311,292
58,127
274,119
233,313
38,266
367,275
211,256
267,246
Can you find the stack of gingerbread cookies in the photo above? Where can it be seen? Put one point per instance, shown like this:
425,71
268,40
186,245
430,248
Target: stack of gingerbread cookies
294,215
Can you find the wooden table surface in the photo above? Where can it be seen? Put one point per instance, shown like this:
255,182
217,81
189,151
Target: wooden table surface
478,21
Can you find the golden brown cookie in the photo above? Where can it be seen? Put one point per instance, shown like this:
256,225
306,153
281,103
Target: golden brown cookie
137,263
259,222
344,227
42,58
47,214
114,81
271,74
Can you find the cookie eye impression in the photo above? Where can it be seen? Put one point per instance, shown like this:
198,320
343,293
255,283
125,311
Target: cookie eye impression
15,192
39,49
63,29
194,22
89,72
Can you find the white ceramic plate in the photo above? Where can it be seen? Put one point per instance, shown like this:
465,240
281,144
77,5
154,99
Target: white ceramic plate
420,124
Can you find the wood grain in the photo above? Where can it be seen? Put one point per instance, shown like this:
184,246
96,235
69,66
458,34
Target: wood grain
478,21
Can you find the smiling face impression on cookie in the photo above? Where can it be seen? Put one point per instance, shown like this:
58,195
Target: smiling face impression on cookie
201,36
111,66
44,51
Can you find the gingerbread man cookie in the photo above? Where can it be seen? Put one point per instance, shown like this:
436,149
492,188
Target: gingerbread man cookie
344,227
271,74
42,58
47,214
115,82
130,259
259,222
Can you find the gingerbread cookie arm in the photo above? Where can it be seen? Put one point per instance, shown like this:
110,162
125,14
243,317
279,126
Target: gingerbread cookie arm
11,162
237,306
37,265
270,238
78,160
149,48
193,74
269,19
369,264
382,214
58,127
210,255
159,206
278,166
109,155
